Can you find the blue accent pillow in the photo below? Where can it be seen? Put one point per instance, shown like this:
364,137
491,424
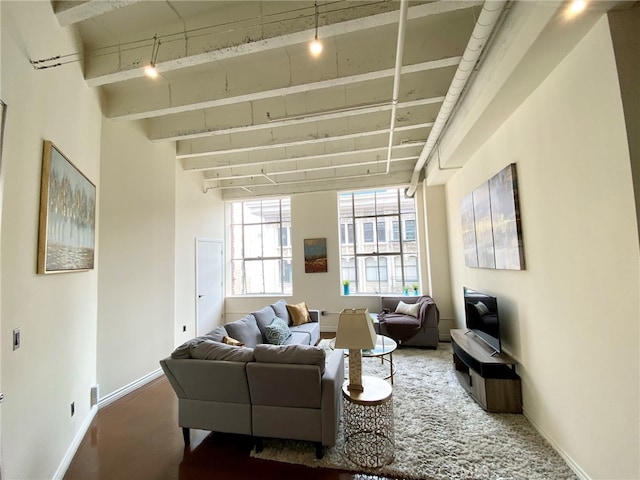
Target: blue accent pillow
278,332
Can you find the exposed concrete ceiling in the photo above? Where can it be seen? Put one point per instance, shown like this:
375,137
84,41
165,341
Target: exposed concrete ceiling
255,112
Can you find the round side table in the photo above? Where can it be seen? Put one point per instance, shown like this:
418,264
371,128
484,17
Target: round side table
368,423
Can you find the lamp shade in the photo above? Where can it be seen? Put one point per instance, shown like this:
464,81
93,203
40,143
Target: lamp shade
355,329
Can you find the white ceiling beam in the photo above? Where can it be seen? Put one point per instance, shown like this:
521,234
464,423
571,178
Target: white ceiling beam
170,130
313,141
68,12
274,173
302,177
196,102
112,67
352,182
195,164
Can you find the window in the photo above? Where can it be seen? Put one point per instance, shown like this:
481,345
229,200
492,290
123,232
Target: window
376,269
349,269
382,234
409,229
346,233
381,253
260,247
367,232
396,231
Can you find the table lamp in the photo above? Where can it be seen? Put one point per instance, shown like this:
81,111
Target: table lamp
355,332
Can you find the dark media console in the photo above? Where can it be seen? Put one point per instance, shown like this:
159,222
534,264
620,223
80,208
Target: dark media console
490,378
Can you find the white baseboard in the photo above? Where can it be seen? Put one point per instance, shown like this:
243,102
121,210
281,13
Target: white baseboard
572,464
103,402
73,448
121,392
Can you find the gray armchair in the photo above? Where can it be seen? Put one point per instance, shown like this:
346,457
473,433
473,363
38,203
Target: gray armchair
419,331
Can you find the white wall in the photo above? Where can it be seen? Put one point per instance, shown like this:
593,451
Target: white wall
137,248
570,318
198,215
436,260
56,363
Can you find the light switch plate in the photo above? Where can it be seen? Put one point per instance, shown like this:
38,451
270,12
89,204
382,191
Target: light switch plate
16,338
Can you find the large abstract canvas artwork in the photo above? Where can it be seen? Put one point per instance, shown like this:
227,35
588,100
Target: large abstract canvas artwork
505,219
469,231
66,236
491,228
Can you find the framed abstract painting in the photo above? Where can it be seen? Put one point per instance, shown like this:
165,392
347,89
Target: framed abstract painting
66,235
315,255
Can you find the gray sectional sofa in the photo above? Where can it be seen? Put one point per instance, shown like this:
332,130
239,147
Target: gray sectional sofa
289,391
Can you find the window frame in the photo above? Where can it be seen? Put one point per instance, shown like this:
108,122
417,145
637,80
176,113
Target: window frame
281,275
393,227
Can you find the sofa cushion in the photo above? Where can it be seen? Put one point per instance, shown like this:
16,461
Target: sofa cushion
280,309
311,330
264,317
408,309
184,350
299,313
297,338
278,332
211,350
218,333
291,354
245,330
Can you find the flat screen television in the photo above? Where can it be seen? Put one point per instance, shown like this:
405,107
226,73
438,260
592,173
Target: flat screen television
481,315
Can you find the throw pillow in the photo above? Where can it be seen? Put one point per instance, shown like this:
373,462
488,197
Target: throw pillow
232,341
299,313
280,308
278,332
245,330
411,309
481,308
264,317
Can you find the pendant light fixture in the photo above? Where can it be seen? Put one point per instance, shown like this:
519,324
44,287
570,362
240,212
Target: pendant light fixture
315,47
150,70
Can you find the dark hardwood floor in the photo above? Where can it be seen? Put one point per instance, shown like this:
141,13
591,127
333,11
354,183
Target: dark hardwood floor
137,437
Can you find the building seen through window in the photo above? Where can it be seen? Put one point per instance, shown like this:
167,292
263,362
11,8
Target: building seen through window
260,239
378,241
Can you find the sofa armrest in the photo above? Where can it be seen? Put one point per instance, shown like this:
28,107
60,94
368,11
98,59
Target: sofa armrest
429,314
314,315
332,381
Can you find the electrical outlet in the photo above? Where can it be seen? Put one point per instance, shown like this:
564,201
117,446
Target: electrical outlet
73,408
16,338
94,395
184,328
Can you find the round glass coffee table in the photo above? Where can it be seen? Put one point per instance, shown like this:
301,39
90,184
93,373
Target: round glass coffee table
384,349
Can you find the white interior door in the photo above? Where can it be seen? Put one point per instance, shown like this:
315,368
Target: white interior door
209,285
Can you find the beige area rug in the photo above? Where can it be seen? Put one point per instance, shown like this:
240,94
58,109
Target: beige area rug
440,432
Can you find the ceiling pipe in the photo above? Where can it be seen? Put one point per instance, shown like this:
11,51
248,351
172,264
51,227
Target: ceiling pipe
489,16
404,5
